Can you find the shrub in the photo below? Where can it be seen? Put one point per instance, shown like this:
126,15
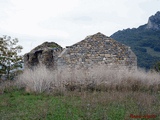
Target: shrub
39,79
157,48
156,67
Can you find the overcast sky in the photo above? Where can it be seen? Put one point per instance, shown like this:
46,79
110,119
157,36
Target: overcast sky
69,21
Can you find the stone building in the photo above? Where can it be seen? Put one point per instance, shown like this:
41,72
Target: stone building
46,53
96,49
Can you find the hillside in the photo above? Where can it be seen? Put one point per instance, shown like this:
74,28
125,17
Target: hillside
144,41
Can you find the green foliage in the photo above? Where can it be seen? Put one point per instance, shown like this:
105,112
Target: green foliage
48,45
139,39
157,48
157,67
141,49
54,45
9,58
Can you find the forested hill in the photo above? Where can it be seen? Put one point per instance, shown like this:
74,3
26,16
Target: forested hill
144,41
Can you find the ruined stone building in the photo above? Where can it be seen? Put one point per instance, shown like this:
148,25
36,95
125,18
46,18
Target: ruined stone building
46,53
96,49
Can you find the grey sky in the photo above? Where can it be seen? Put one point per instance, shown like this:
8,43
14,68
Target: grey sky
69,21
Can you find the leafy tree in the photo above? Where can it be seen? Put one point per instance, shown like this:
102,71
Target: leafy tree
9,58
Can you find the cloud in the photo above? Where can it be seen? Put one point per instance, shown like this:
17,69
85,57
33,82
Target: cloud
69,21
27,14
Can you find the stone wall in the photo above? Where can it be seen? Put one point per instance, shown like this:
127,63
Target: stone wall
46,54
97,49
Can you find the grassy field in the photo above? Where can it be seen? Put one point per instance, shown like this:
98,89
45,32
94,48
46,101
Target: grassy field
81,95
113,105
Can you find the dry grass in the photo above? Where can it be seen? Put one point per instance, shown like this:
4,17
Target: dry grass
37,80
98,78
6,86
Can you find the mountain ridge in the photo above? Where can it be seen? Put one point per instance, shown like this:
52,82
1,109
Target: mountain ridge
154,22
144,41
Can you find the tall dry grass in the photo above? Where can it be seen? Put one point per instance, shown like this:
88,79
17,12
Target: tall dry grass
7,85
38,79
97,78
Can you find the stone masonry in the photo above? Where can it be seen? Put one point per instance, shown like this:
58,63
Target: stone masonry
96,49
46,53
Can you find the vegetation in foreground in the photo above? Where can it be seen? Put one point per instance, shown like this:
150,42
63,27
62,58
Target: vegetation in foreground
109,94
17,104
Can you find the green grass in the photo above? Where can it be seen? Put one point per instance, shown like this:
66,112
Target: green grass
20,105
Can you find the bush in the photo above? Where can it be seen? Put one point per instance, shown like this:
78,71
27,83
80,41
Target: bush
141,49
157,48
37,80
157,67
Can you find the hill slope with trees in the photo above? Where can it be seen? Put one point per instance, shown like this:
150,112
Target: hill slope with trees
144,41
